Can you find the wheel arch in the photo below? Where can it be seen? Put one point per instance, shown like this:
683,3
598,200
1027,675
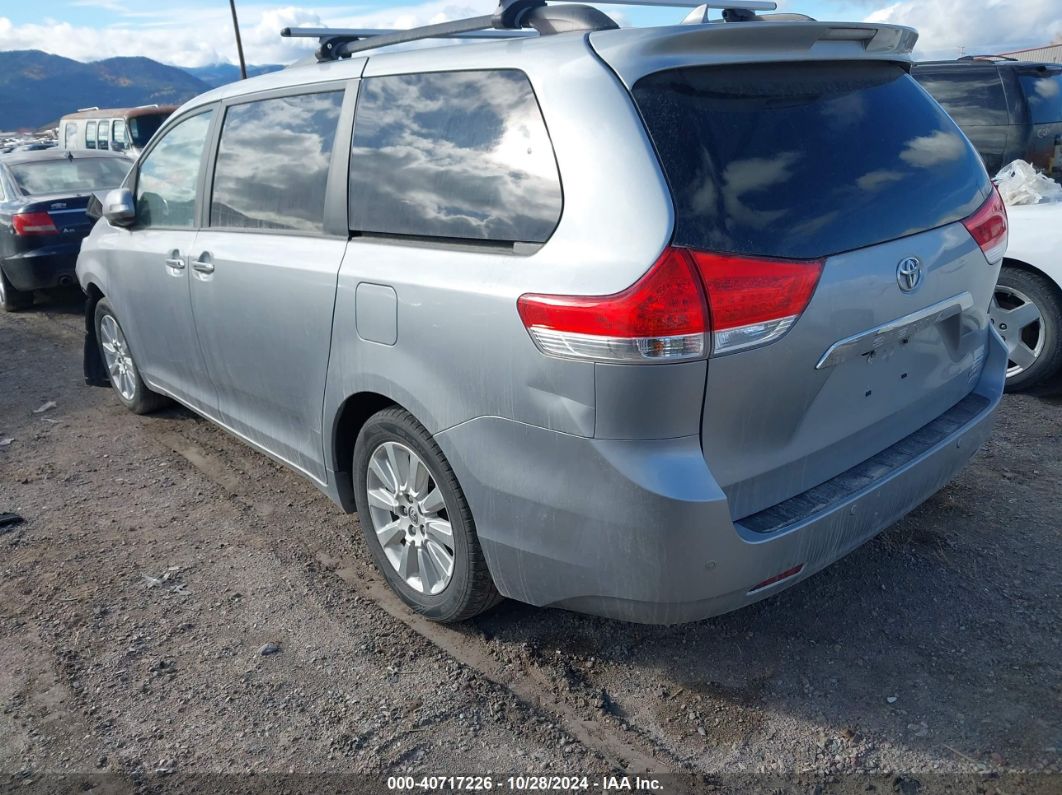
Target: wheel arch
1029,268
352,414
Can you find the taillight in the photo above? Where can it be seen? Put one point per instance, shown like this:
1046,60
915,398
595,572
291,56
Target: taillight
661,317
668,313
33,224
988,226
754,300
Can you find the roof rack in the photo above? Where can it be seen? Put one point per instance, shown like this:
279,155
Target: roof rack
986,58
511,19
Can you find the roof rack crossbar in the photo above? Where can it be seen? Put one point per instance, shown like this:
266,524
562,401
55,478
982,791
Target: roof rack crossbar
366,33
343,46
510,19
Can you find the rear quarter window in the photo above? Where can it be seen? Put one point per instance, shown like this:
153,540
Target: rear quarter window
806,160
463,155
1043,92
973,97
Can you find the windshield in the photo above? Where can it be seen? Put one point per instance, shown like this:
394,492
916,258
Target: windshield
806,160
141,128
80,175
1044,92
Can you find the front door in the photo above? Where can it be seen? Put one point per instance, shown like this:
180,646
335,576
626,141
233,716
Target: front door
151,264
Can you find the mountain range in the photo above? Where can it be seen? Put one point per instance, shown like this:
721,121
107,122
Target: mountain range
37,88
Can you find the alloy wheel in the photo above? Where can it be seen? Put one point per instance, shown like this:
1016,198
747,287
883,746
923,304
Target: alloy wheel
1020,323
409,516
117,357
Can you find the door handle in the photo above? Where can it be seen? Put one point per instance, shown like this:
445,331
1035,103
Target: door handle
175,260
203,263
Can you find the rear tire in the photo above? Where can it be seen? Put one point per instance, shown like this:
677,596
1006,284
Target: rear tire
1027,311
422,519
121,368
12,300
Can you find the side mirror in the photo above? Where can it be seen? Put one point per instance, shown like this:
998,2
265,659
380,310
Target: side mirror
119,208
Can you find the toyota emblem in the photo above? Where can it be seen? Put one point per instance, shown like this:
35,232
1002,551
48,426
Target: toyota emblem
909,274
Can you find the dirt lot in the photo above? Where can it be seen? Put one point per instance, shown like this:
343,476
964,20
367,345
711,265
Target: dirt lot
160,556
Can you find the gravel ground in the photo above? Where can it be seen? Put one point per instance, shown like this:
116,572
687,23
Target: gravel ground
177,609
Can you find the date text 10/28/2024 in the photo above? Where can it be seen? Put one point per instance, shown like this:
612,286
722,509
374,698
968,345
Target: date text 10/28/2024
524,783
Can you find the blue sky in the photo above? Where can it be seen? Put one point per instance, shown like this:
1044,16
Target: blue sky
198,32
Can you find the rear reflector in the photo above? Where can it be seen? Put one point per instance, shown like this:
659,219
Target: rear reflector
33,224
988,226
754,300
667,314
785,575
661,317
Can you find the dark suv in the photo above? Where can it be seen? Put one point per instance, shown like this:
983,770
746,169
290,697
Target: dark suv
1009,109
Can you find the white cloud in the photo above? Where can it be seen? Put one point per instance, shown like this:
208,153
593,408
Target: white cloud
949,27
199,37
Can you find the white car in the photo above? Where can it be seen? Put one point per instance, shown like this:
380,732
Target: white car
1027,307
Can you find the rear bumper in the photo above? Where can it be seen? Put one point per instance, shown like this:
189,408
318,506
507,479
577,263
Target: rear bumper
42,268
640,531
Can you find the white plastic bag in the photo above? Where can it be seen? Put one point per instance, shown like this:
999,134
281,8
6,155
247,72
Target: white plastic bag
1020,183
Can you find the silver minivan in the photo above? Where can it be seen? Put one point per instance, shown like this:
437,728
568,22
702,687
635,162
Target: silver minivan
647,323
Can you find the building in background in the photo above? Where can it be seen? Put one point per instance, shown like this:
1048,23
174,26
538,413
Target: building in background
1051,53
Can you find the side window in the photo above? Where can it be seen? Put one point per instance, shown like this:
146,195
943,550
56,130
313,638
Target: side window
70,136
453,155
973,97
104,136
118,142
166,184
272,163
90,135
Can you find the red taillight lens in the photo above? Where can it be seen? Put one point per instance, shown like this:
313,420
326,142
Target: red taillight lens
988,226
754,300
661,317
665,314
33,224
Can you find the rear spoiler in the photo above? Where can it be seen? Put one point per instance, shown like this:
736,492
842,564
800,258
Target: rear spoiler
635,52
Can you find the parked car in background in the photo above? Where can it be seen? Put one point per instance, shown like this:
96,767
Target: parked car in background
1027,308
1010,110
709,367
112,129
43,198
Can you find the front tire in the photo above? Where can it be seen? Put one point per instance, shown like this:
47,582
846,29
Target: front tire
12,300
121,368
416,521
1027,312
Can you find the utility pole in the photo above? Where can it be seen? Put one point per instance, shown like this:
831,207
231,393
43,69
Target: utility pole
239,42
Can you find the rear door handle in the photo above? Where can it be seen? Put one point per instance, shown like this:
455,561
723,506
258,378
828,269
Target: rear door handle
203,264
175,260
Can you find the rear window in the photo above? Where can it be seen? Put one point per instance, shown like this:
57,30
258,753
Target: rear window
79,175
806,160
1044,94
461,155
